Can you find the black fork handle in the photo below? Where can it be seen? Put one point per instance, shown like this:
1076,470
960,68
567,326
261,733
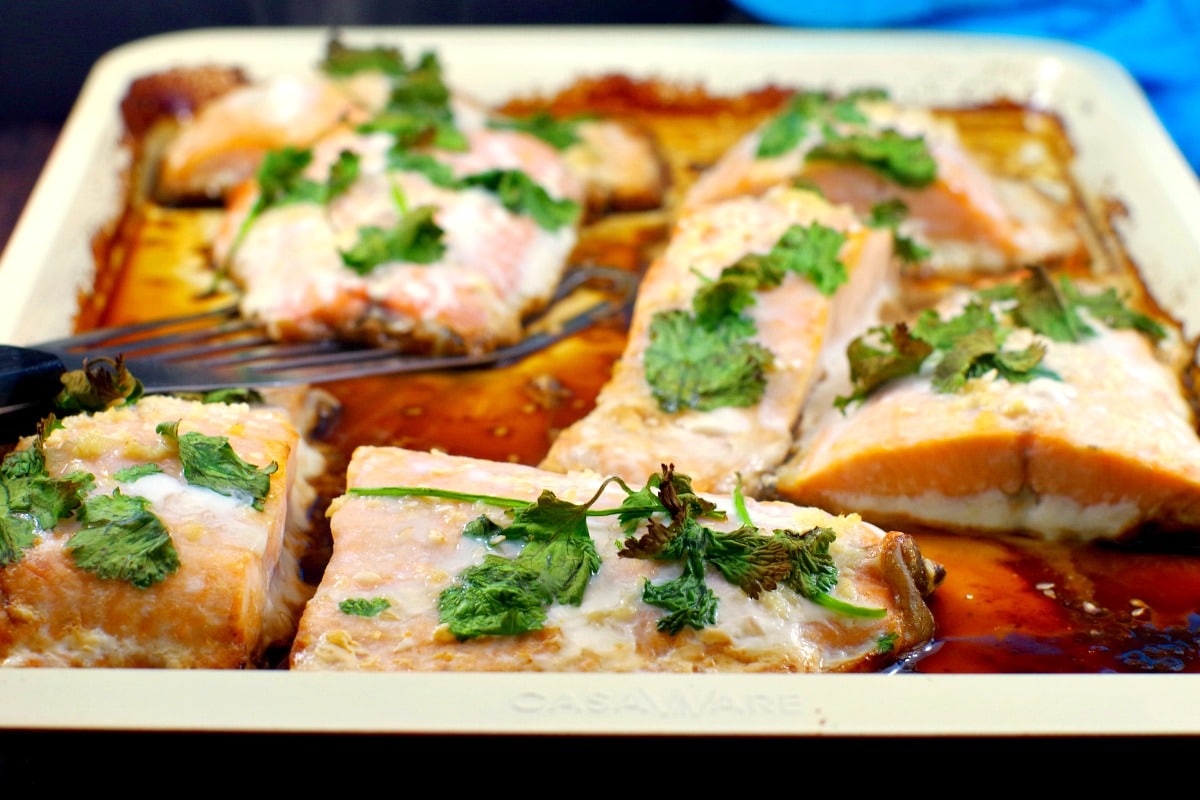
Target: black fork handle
29,380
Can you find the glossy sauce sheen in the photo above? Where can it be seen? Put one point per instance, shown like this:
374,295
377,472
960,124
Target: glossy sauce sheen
1007,605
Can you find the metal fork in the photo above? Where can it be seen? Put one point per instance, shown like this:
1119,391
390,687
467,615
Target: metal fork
217,349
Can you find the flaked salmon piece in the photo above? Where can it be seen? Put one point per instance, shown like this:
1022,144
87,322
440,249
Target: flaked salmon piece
970,219
498,264
1104,451
630,432
377,607
224,142
621,167
237,590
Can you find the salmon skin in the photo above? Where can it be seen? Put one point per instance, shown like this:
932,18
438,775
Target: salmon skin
630,431
235,589
1096,441
864,149
398,561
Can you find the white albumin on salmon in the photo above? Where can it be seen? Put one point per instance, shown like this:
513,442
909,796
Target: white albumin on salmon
1107,451
402,553
972,221
238,589
629,433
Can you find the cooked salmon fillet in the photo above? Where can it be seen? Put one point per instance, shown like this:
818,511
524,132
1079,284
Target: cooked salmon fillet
398,555
237,589
1106,449
497,265
971,220
630,433
223,142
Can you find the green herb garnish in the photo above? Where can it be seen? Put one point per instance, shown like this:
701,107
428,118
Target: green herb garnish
972,343
509,595
210,461
707,359
558,133
364,607
101,384
415,239
31,501
130,474
121,540
520,194
843,132
890,214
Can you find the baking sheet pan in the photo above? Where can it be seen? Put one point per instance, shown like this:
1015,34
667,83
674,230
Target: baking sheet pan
1123,152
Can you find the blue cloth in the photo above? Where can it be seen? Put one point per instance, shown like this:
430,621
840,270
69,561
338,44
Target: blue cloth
1157,41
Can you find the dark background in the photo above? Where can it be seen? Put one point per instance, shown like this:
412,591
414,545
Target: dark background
48,46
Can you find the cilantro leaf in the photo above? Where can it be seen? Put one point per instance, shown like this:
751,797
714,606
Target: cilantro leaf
415,239
745,558
891,214
689,365
417,127
364,606
232,395
121,540
1111,309
905,160
787,129
282,181
979,352
558,133
707,359
130,474
844,133
437,172
210,461
814,571
688,600
521,194
31,501
558,543
506,596
498,597
881,355
101,384
812,252
342,60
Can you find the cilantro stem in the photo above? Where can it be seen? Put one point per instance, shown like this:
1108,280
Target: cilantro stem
739,502
425,491
841,606
492,500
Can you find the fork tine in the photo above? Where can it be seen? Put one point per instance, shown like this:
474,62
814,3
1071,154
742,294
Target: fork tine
214,349
102,338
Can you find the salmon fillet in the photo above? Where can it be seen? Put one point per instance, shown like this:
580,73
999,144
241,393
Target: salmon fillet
970,219
237,589
1100,448
221,143
630,432
397,556
497,264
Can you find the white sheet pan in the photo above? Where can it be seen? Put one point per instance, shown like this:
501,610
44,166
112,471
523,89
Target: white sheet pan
1123,153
